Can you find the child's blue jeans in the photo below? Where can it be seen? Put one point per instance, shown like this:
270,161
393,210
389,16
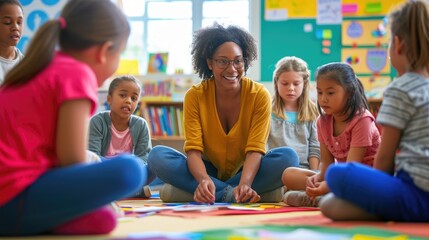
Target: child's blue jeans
62,194
389,197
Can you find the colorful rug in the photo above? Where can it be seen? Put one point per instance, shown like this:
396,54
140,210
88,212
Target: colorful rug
414,229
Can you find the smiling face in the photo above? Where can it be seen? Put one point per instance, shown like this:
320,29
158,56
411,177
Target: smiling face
331,96
290,85
227,77
124,99
11,26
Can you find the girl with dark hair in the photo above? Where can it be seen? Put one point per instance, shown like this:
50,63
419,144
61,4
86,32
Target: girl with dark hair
398,188
346,130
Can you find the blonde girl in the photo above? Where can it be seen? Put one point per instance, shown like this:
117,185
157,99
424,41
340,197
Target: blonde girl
293,119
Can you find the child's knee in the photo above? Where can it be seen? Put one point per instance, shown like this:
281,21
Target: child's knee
130,172
288,155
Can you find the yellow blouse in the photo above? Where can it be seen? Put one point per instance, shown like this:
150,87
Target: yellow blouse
204,132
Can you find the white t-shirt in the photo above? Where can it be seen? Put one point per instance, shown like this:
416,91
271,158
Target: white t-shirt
7,64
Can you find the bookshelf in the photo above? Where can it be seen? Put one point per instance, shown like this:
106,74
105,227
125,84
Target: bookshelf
165,119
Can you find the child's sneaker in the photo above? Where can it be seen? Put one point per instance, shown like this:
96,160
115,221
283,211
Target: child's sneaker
300,199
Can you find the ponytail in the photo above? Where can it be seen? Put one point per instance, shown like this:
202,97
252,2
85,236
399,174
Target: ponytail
39,54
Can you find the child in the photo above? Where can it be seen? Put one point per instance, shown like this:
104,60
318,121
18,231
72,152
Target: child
45,104
119,130
346,130
12,17
398,188
293,118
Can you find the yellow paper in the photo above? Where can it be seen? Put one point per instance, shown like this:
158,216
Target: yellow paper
297,8
366,237
374,86
370,60
368,28
128,67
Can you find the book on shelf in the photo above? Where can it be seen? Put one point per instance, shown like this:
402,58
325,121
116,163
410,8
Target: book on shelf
165,120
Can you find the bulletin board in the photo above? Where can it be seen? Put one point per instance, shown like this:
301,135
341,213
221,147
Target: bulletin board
299,37
288,38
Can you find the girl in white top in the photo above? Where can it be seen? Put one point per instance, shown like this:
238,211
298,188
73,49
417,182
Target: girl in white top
11,25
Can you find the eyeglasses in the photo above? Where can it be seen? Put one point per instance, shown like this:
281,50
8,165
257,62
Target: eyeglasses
224,63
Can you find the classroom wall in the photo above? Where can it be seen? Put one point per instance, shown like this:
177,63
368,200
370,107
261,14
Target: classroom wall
37,12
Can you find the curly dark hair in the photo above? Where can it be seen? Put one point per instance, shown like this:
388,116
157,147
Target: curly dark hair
207,40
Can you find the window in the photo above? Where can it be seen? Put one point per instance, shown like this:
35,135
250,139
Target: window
167,26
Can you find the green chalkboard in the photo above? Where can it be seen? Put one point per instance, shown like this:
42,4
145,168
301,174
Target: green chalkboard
288,38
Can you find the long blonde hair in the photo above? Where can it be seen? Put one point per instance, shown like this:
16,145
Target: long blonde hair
410,24
307,110
82,24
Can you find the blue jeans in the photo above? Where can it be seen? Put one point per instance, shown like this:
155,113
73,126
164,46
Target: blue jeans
63,194
171,167
389,197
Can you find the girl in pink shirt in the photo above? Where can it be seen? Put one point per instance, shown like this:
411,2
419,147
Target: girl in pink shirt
46,184
346,131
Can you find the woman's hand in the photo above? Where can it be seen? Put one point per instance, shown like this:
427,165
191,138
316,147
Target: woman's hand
205,192
244,193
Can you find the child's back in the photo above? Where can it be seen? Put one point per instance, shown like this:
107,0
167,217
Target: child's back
45,104
399,185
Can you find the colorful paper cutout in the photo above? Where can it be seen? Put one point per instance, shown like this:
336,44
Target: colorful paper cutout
371,60
364,32
349,8
374,7
157,62
363,8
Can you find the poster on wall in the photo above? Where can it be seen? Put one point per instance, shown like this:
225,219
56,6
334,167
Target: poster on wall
329,12
36,13
374,86
157,62
367,60
292,8
364,32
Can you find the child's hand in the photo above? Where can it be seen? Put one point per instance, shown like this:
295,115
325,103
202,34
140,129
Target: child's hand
313,181
320,189
205,192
